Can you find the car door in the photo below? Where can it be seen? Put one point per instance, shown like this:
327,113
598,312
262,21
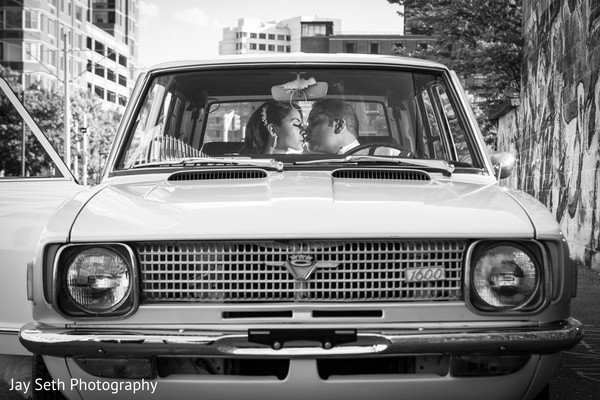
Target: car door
34,181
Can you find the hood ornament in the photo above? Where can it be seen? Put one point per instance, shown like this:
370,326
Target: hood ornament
301,266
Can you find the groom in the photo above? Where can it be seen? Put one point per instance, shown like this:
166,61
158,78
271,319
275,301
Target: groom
332,127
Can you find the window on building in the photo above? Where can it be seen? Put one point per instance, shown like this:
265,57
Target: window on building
288,38
101,17
262,35
32,20
52,57
99,91
122,80
122,100
111,54
123,60
111,96
110,75
13,19
374,48
350,47
280,37
32,51
78,13
14,52
1,51
280,49
271,47
397,48
99,47
423,46
88,43
43,54
271,36
252,35
99,70
288,49
252,46
52,27
262,47
311,29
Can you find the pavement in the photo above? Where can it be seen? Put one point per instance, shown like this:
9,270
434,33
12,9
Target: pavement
577,377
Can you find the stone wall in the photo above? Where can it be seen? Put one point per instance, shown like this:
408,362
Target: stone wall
556,130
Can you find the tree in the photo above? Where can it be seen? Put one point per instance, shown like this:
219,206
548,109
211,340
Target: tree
47,110
473,37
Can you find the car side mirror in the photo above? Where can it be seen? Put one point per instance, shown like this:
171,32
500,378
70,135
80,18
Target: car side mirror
503,163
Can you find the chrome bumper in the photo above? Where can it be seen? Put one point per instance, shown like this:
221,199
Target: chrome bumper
301,343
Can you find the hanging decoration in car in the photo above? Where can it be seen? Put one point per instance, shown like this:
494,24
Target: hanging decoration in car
299,89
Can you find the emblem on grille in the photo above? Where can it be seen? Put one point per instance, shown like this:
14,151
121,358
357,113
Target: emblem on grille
301,266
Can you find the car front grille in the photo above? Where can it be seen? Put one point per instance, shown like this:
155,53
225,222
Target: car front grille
301,271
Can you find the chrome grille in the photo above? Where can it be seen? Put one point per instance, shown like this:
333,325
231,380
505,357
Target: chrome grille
260,271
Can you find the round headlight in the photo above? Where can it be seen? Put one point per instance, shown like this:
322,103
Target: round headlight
98,279
506,277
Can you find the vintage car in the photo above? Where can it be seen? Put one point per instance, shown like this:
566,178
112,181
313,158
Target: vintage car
203,268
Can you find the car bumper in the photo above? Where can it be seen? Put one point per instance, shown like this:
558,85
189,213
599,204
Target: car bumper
303,382
299,343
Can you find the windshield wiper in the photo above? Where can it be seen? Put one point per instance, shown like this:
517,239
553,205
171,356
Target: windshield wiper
193,161
438,165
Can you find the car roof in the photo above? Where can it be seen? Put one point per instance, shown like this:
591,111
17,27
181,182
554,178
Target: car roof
301,58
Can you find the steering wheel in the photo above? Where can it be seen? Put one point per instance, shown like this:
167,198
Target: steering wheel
404,152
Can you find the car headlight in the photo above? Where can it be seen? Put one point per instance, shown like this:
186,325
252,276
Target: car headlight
96,279
506,276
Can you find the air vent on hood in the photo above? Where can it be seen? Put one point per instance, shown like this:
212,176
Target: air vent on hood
381,174
215,174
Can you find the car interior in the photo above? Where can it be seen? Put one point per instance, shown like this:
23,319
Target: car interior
205,112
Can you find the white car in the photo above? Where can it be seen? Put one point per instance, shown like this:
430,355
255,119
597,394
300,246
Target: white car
205,265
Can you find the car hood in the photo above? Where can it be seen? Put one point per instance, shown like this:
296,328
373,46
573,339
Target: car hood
300,205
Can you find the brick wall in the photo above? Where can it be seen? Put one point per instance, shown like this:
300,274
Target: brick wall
556,130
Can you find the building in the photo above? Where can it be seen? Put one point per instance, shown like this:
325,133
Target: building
554,130
90,43
314,35
285,36
374,43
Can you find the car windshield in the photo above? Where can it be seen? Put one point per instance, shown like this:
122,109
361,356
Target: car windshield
298,114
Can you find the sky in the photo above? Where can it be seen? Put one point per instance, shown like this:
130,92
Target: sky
172,30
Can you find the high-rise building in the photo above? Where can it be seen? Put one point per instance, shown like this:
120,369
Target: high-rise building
90,43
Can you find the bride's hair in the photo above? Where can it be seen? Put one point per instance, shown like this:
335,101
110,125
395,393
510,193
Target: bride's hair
258,138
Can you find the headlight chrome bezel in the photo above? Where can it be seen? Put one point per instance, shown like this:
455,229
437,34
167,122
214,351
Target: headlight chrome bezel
535,303
69,307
